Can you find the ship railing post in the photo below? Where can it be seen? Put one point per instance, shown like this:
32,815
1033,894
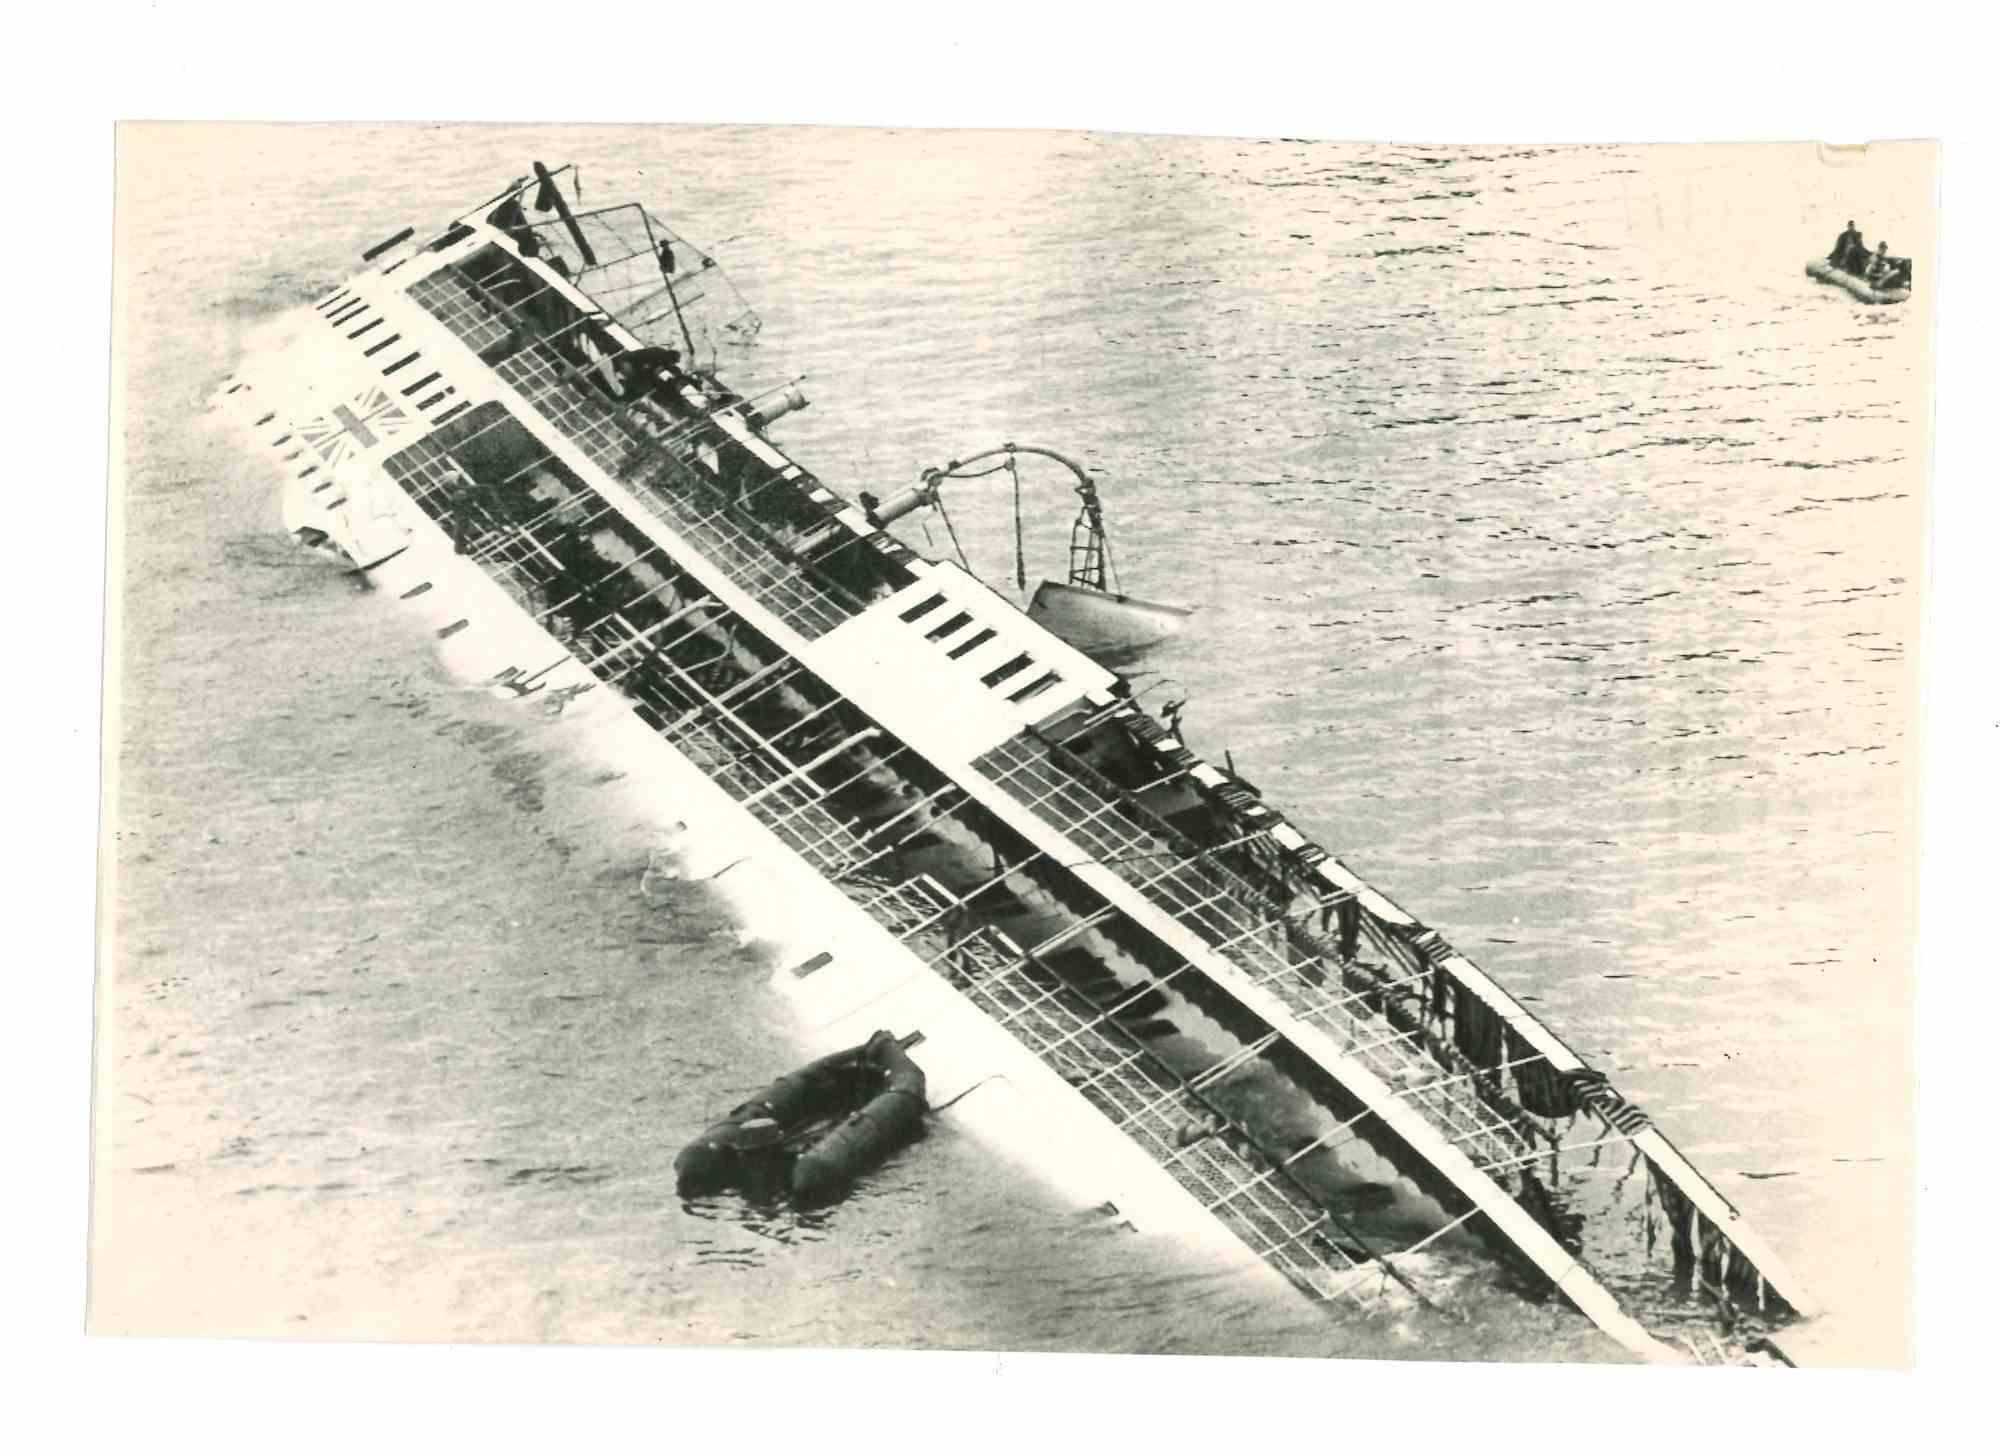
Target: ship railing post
615,571
1236,1060
683,612
873,767
875,832
489,297
1557,1151
803,772
1287,972
480,557
1110,1069
926,801
1111,1012
1075,928
1457,1123
1473,1075
1093,722
1198,860
966,899
670,583
629,643
727,715
784,668
1083,774
1055,990
1162,781
1278,1168
515,191
1041,996
1497,1131
1432,1237
1361,1049
661,649
810,716
1178,1092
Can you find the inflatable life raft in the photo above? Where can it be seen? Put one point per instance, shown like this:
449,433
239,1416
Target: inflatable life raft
813,1131
1825,272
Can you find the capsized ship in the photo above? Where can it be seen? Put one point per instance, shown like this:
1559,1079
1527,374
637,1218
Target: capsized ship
1127,970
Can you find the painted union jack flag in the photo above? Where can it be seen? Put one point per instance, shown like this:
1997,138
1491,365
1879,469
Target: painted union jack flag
356,425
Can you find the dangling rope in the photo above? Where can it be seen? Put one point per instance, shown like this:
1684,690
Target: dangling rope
1110,566
1089,521
952,472
945,516
1020,550
955,474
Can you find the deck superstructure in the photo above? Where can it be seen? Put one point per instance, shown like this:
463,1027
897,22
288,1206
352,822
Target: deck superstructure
496,430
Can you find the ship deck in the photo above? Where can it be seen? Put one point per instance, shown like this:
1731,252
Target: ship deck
998,804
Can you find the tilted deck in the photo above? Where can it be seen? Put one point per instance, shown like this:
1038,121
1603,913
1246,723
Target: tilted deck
866,705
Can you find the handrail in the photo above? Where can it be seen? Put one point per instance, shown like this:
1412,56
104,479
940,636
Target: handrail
1091,573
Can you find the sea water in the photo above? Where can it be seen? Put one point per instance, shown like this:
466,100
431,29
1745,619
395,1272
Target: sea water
1556,547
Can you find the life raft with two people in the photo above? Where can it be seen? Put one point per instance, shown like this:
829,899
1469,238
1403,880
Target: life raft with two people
1871,277
1860,287
814,1131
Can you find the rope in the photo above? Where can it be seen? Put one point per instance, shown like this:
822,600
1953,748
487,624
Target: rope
1020,550
1110,566
989,1077
945,516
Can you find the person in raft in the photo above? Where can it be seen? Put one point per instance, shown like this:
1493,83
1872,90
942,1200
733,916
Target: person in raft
1848,250
1878,265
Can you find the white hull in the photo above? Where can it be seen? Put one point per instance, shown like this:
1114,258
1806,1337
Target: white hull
1094,621
841,972
939,667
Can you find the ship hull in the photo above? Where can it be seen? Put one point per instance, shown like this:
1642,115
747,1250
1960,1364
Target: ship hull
785,687
838,973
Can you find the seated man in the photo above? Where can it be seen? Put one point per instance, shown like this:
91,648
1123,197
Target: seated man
1845,247
640,368
511,220
1878,264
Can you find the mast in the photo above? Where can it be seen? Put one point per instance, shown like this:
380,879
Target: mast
549,195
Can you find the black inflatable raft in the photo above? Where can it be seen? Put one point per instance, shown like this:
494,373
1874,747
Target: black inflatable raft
816,1130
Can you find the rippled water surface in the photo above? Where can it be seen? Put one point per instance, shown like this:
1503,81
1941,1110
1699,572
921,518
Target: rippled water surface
1557,547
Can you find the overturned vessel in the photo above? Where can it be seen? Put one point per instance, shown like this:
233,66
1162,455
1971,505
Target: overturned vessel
1129,970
